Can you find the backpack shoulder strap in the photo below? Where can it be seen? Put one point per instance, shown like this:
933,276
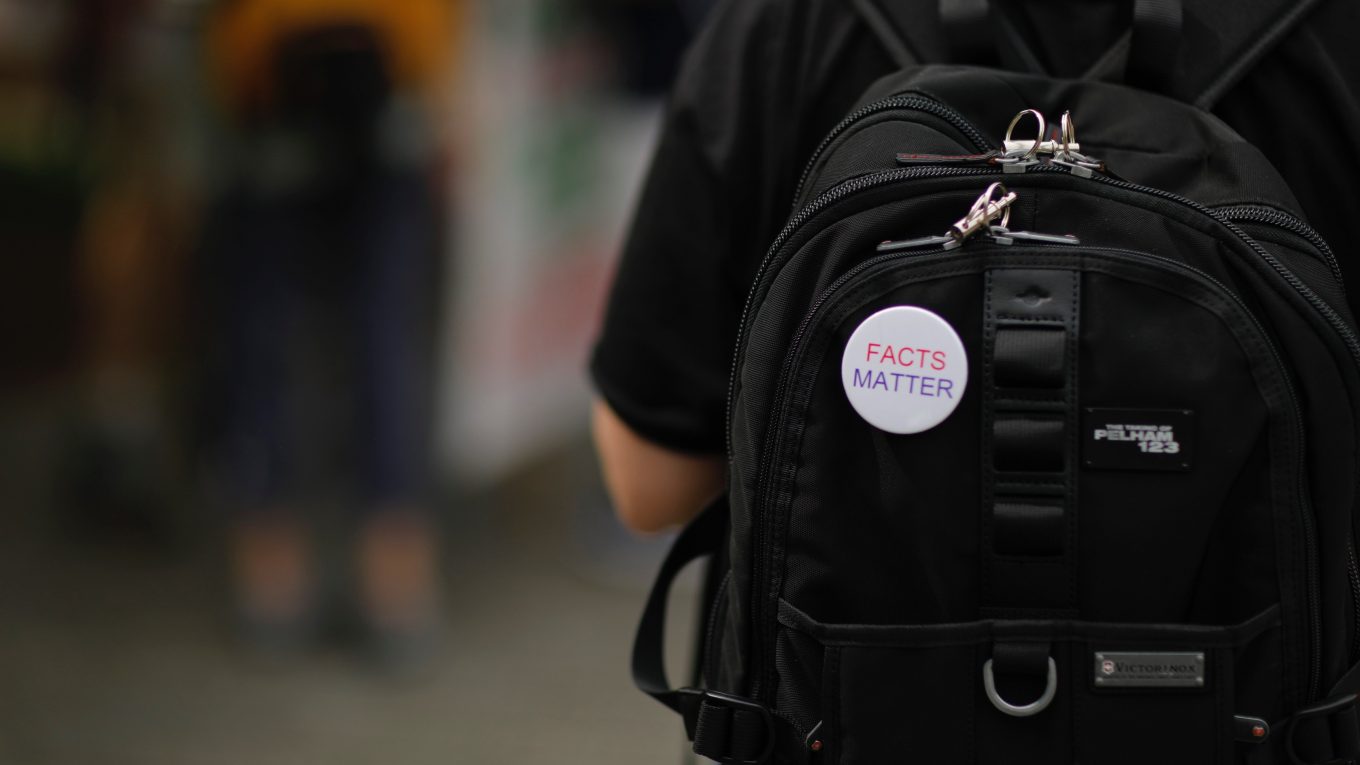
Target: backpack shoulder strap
1138,54
1233,71
917,31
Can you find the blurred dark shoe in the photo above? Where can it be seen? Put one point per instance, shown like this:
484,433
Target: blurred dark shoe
398,562
272,577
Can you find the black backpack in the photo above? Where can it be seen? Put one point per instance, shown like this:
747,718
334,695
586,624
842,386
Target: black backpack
1041,450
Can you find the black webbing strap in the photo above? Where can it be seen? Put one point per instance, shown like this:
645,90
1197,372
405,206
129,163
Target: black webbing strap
1030,356
967,30
1325,734
1011,46
726,728
703,536
1155,42
1027,657
1029,427
1027,527
723,727
1328,733
1146,55
1028,489
1149,52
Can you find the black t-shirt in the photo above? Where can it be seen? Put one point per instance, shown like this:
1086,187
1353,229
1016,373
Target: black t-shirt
767,79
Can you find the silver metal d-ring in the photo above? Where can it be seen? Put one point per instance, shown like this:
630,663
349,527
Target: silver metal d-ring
1024,710
1043,131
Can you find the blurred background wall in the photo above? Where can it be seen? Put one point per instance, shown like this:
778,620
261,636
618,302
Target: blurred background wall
297,298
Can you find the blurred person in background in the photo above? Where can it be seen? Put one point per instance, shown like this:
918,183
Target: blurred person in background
321,262
119,461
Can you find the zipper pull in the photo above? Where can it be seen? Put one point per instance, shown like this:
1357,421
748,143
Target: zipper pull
1062,150
898,245
986,158
1068,153
994,203
1000,235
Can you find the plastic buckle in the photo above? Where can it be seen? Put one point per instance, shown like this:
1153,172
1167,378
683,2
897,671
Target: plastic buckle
1327,709
699,697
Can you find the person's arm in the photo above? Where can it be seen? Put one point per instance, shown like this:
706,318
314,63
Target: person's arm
653,488
704,216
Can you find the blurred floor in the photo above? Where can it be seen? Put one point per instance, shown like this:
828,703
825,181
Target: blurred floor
111,653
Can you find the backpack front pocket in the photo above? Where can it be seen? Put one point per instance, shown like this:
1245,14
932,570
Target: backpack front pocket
1116,694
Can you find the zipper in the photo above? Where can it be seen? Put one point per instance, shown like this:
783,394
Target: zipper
1353,569
760,610
1281,219
914,103
719,598
775,437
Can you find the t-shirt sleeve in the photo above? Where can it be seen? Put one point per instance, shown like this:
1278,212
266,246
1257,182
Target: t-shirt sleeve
664,352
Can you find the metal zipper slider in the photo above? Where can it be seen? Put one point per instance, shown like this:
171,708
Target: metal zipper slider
1001,235
910,244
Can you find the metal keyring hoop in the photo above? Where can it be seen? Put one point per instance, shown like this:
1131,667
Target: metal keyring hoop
1069,134
1043,131
996,191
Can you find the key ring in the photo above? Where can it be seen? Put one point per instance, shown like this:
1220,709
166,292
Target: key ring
1069,136
995,202
1068,151
1013,147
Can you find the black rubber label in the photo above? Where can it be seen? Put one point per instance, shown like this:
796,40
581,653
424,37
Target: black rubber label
1138,439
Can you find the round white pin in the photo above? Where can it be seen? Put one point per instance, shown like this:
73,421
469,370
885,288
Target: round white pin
904,369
